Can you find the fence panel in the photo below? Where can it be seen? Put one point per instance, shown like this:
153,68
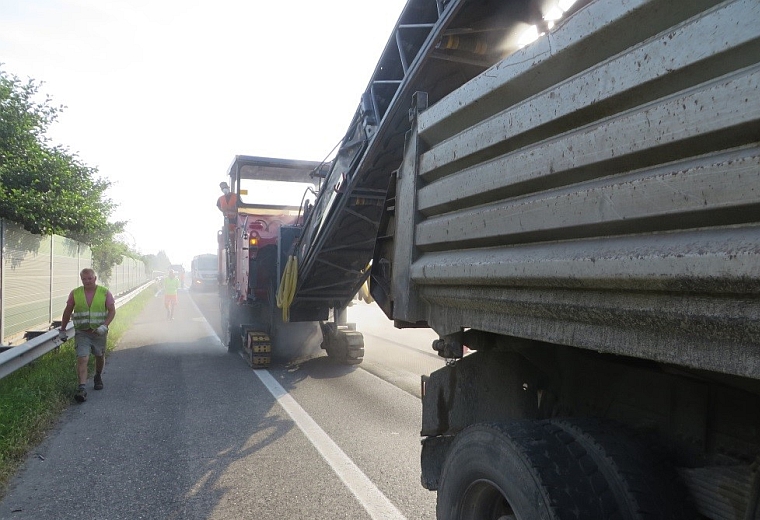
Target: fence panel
126,276
27,278
38,272
69,258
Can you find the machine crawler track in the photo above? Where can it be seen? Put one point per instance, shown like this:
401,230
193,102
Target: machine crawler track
257,349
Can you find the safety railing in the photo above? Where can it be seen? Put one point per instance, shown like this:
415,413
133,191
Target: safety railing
23,354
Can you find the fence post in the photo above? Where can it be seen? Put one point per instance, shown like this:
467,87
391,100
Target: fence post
2,281
52,274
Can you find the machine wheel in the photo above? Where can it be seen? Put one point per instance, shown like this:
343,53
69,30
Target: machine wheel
645,484
523,470
344,346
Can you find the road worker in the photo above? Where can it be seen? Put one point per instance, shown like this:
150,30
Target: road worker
227,204
91,308
171,286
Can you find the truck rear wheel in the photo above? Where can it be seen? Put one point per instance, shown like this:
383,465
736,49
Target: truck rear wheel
645,484
523,470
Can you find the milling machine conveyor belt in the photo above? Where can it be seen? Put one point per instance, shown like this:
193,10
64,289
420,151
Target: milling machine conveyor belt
437,46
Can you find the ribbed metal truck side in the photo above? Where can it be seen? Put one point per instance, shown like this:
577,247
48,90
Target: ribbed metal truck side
584,217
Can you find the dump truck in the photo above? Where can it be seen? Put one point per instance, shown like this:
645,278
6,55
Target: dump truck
570,193
274,197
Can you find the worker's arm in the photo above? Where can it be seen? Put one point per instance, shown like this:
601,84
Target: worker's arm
67,312
111,308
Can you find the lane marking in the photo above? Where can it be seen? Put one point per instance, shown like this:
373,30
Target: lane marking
377,505
372,499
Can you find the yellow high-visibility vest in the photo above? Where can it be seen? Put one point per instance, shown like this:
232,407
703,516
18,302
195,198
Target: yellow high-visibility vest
92,316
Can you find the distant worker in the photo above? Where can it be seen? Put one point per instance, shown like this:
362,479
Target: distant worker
227,204
92,309
171,286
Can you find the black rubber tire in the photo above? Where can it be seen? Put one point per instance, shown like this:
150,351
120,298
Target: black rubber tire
523,470
645,484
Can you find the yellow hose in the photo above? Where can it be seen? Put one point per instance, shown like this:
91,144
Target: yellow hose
287,289
364,294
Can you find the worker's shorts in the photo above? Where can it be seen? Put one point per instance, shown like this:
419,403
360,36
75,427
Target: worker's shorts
170,299
90,342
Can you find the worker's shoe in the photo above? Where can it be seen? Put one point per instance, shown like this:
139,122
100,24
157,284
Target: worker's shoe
98,382
81,395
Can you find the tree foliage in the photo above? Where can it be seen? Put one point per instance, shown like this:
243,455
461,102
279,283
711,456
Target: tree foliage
43,187
159,262
106,256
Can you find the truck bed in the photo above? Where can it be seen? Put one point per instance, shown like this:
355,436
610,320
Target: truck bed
599,188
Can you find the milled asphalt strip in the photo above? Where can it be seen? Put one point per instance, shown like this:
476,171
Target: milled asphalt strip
372,499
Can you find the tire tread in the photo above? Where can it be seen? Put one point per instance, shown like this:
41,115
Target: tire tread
565,475
646,485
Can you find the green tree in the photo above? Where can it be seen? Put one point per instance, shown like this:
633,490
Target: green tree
46,188
159,262
108,255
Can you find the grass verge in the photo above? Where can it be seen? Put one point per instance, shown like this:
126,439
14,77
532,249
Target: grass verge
33,397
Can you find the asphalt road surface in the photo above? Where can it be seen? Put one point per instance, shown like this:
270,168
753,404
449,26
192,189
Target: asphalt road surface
184,430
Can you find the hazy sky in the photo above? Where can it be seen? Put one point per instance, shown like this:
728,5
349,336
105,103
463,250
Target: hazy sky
162,94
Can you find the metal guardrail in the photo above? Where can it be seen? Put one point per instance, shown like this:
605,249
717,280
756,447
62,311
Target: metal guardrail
21,355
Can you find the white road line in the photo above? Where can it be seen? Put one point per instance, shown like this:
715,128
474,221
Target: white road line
372,499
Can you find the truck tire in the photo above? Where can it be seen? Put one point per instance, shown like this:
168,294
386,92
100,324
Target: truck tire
645,484
522,470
